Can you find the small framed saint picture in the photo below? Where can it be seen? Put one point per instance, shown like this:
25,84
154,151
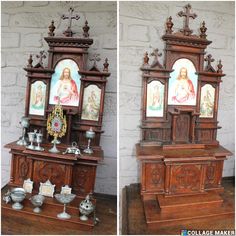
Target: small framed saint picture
91,103
37,98
207,101
65,190
28,185
155,99
65,84
47,189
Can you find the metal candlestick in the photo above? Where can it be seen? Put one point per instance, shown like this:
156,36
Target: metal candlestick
90,134
25,124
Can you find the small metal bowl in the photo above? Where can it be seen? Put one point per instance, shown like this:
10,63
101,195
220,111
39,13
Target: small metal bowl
17,196
37,201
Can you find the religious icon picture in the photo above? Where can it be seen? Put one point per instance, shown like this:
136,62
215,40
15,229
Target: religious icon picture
37,98
65,84
155,99
207,101
183,83
91,103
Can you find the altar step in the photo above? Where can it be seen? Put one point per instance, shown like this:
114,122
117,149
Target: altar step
196,202
170,211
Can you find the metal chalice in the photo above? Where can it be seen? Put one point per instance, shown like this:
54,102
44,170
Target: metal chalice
31,139
37,201
39,140
90,134
17,196
64,199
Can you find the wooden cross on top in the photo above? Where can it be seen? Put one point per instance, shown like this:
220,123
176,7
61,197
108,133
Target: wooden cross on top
186,30
41,56
209,59
156,54
95,59
68,32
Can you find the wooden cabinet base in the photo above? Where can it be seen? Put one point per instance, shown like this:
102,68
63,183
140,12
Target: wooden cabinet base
167,211
49,212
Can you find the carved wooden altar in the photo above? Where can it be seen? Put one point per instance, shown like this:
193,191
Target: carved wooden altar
79,172
181,160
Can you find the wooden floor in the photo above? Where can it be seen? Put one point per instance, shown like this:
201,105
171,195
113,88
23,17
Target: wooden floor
106,212
133,219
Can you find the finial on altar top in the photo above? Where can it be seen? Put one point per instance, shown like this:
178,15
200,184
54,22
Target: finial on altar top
203,30
51,29
219,66
41,56
209,59
186,30
145,59
86,29
105,65
30,61
169,25
68,32
156,62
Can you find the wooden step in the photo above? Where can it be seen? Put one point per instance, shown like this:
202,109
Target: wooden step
155,217
208,200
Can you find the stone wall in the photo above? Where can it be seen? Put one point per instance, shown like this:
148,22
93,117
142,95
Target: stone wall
141,26
24,24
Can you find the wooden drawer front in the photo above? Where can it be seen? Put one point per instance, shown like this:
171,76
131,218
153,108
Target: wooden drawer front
84,178
185,178
58,174
154,177
22,169
213,174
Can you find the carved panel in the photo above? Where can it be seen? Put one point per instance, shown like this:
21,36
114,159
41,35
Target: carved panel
185,178
23,169
84,179
182,128
55,172
154,176
205,135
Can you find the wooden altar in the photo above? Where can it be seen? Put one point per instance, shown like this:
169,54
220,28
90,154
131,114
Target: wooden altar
181,160
80,90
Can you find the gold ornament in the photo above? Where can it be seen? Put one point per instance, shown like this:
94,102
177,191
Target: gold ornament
56,125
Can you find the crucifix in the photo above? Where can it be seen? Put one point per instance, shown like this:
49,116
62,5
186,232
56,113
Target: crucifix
95,59
209,59
186,30
41,56
156,54
68,32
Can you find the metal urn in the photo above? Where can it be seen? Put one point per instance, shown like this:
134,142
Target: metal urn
90,134
86,207
64,199
17,196
37,201
25,124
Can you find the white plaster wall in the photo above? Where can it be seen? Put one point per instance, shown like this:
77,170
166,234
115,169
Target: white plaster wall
141,26
24,24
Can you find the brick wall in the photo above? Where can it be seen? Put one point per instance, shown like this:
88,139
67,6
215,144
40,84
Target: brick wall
141,26
24,24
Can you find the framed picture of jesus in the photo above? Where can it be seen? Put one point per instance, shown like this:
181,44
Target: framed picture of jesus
183,83
65,84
